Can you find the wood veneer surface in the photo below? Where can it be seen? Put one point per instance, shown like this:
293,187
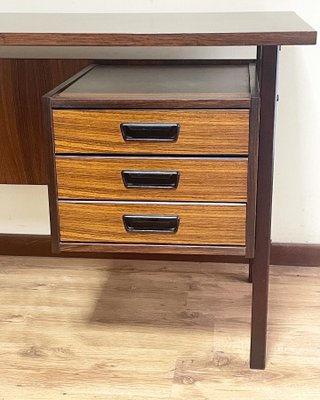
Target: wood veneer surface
200,179
201,131
214,224
22,140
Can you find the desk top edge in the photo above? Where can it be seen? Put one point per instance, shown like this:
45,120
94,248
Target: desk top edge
158,29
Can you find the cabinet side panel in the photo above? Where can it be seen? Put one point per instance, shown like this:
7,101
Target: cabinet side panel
253,161
52,179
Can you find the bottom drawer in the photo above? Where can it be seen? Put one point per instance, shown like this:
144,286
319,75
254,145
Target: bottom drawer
157,223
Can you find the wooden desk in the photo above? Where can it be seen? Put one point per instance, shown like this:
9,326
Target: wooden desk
22,143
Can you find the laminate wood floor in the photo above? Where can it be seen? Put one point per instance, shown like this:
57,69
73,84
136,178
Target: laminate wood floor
104,329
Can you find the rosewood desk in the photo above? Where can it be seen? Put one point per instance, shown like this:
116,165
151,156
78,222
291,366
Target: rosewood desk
23,154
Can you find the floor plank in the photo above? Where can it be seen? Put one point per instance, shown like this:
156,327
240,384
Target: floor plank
120,329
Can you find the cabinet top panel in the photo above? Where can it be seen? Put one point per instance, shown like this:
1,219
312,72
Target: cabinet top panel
224,80
161,29
188,84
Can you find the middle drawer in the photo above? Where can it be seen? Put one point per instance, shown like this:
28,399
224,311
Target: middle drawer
152,178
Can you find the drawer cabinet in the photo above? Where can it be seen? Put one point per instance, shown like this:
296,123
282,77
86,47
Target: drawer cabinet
151,179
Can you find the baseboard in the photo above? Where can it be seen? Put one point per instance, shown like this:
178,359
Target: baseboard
295,254
281,253
25,245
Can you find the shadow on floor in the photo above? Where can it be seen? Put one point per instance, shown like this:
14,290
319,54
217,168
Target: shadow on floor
169,297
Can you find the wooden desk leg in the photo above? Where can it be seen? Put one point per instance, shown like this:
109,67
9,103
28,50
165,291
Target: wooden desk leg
267,73
250,270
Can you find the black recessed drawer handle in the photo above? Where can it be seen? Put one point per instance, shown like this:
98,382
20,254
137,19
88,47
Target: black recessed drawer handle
151,179
150,132
151,223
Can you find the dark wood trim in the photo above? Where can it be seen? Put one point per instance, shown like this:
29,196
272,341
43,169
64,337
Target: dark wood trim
64,85
52,178
295,254
250,276
152,249
282,254
252,160
50,154
176,61
40,246
267,75
25,245
95,103
183,39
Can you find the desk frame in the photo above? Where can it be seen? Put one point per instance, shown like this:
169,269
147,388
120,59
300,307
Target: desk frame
293,31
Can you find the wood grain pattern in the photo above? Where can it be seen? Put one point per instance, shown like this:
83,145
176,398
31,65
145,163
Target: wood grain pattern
155,29
212,224
167,40
153,102
77,329
201,179
201,132
154,251
22,142
48,132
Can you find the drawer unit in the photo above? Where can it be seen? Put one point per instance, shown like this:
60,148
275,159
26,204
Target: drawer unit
147,178
152,178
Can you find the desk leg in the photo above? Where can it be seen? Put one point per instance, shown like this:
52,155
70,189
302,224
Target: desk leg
250,270
267,73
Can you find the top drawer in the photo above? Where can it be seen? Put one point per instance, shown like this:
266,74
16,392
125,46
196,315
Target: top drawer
151,131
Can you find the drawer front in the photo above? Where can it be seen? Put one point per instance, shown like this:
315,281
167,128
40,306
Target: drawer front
151,132
152,178
157,223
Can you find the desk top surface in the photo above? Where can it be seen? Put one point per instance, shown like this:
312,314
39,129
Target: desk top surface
171,29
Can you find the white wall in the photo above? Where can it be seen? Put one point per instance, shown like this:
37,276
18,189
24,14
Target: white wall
24,209
296,211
